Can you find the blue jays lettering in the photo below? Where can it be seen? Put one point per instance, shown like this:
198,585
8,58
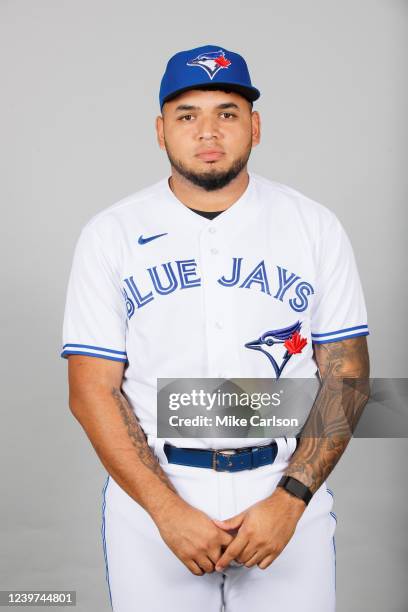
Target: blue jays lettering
161,280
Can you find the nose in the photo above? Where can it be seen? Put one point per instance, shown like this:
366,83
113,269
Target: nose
207,128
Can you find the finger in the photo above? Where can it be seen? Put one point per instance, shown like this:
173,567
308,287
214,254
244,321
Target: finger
266,561
216,551
205,564
225,538
247,553
214,554
232,552
194,568
232,523
229,532
253,559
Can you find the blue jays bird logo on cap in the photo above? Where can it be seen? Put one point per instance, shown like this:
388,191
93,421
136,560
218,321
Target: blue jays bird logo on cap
210,62
181,72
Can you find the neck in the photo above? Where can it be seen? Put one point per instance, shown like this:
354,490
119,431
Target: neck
196,197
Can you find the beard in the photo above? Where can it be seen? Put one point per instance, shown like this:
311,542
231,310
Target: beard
213,179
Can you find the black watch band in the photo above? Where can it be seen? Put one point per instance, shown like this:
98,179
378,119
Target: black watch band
296,488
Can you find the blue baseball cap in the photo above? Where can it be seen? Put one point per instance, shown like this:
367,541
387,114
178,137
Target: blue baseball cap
211,66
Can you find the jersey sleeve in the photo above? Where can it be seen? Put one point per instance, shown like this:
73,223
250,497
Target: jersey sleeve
339,309
95,310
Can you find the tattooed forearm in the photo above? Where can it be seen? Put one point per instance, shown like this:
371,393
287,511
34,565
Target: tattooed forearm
138,438
344,370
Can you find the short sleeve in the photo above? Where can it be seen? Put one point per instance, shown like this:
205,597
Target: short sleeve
339,309
95,310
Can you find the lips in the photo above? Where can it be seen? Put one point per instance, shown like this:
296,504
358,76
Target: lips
210,154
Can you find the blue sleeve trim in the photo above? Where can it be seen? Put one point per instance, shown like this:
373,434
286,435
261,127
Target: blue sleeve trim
366,333
97,348
65,354
339,331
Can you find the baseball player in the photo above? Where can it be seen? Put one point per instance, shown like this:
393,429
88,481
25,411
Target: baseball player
212,272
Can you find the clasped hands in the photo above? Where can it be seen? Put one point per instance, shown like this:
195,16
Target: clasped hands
256,536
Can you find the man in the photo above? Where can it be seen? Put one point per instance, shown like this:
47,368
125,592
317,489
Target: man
199,276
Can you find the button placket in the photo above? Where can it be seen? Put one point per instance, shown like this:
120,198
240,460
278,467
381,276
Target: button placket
218,330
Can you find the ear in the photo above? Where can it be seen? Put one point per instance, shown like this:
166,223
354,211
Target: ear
256,128
160,131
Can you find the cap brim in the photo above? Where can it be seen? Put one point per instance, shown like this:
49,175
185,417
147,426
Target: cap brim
250,93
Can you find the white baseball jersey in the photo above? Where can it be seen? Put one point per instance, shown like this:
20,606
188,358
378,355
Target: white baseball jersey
173,294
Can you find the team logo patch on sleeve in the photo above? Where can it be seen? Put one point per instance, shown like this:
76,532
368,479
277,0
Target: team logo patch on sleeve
278,345
211,62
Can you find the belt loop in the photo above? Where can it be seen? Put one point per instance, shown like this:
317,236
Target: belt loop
282,453
158,449
255,457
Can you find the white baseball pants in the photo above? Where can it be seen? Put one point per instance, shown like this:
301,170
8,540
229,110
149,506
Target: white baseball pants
145,576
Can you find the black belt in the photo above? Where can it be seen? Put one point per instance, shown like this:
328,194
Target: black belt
227,460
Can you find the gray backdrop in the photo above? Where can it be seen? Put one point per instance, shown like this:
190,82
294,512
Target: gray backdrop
79,97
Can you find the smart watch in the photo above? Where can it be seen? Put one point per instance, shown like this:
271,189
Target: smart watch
296,488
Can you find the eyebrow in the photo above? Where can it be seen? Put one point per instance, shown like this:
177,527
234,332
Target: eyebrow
190,107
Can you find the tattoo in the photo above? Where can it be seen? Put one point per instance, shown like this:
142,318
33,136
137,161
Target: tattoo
138,438
344,371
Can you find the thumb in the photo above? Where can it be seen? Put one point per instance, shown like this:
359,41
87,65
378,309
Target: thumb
231,523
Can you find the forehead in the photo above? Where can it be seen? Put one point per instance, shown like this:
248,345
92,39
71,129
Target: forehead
207,99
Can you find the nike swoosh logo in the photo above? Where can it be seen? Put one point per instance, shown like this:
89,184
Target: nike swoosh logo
150,238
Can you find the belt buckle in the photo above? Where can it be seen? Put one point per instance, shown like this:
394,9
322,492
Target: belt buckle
225,453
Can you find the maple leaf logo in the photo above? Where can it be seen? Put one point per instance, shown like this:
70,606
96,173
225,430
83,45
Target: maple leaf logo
295,344
222,61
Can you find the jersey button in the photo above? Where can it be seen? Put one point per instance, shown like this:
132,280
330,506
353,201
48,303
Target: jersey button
212,230
218,325
214,251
